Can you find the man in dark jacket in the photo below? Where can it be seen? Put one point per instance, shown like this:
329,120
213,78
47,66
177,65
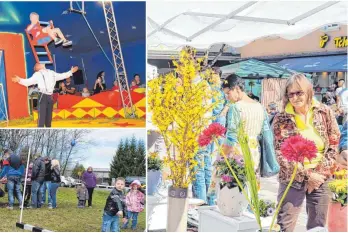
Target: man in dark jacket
115,208
47,183
37,180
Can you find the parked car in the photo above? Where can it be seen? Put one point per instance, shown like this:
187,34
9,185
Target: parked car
64,182
72,181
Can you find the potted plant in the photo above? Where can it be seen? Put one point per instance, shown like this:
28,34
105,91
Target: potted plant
337,216
154,167
230,199
267,208
178,103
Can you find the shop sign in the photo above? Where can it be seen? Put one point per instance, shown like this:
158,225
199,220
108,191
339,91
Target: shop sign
340,41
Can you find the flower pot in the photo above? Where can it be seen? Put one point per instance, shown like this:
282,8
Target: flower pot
177,210
337,217
231,202
153,181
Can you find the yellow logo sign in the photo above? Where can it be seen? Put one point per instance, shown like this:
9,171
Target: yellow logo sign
323,40
340,42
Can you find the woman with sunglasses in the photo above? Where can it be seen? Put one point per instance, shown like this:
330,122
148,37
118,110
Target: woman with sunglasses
303,115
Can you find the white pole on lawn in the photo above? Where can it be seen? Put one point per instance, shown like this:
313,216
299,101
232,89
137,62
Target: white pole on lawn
25,186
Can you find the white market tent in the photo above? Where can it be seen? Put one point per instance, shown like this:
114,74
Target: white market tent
173,24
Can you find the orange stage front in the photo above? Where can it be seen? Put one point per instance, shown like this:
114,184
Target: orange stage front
103,105
14,56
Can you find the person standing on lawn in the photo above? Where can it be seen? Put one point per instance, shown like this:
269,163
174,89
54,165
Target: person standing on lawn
82,196
90,179
115,208
13,173
135,204
37,180
45,188
27,194
55,182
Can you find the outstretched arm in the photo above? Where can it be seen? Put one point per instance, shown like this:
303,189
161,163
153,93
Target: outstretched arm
26,82
66,75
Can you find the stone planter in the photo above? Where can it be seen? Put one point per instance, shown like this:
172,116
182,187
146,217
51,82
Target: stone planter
153,181
177,210
337,217
231,202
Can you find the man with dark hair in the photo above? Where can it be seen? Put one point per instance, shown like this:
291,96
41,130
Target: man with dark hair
69,87
37,180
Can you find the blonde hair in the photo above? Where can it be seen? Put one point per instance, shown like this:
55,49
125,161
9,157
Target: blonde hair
303,83
55,163
34,13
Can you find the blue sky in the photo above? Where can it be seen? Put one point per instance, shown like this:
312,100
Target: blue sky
105,142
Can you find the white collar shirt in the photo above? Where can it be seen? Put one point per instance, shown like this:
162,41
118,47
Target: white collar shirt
45,79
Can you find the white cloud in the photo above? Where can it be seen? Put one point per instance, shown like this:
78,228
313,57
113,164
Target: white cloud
104,144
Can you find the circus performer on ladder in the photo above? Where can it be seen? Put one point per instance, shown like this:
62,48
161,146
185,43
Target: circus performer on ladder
46,34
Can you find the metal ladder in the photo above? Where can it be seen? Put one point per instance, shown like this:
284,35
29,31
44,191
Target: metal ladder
117,56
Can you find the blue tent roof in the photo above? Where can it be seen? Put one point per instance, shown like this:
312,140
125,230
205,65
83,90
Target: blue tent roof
316,64
258,69
130,18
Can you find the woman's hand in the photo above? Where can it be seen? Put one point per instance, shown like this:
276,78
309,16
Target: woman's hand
342,159
314,182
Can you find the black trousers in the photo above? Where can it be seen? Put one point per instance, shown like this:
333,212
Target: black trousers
90,194
45,110
27,195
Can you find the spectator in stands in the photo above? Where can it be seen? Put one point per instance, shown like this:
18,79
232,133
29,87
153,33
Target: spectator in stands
85,92
90,179
138,81
115,87
98,86
101,74
62,88
134,85
69,87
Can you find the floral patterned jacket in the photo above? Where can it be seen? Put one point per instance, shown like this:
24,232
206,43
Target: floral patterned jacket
325,123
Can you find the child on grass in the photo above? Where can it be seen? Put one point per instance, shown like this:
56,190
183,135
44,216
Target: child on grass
135,204
82,196
115,208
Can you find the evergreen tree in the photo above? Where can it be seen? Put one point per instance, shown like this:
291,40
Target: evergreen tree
129,159
78,170
140,158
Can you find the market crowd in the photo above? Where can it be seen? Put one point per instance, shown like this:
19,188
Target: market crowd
268,127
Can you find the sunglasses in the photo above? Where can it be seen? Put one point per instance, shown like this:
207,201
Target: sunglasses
297,93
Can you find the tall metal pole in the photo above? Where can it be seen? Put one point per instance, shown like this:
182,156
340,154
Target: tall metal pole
25,187
117,56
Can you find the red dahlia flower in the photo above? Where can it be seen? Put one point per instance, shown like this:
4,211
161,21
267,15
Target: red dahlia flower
296,148
215,130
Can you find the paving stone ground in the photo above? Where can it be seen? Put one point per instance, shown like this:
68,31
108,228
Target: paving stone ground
269,191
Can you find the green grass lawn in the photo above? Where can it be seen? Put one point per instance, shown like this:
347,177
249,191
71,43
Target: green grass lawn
66,217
